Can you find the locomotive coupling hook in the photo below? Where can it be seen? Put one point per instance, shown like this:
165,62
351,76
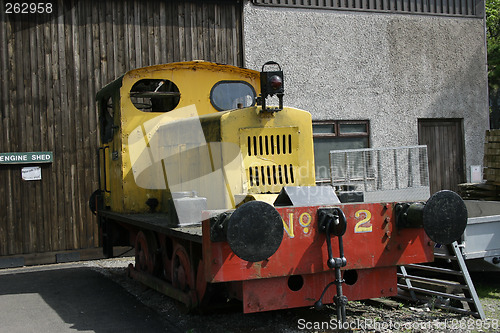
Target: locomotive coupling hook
332,221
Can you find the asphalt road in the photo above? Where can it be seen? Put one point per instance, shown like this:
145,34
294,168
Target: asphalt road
68,298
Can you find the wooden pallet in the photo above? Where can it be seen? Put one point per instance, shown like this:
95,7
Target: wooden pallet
492,156
479,191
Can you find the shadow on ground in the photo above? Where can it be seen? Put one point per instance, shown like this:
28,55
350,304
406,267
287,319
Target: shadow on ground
71,298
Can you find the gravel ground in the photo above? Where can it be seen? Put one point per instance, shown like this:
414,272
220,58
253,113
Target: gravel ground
366,316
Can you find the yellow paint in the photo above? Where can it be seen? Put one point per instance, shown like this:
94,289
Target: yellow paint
305,221
289,227
196,147
363,225
307,217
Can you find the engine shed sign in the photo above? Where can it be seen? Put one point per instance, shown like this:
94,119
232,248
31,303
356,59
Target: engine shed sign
25,158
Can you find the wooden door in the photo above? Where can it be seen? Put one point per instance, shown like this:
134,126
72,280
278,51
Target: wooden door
445,147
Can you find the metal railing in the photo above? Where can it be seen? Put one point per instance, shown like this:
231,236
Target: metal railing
395,173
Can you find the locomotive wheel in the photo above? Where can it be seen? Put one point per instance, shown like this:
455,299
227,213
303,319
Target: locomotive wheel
145,252
166,257
201,283
182,274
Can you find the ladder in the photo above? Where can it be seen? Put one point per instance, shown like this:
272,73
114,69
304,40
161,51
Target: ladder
427,282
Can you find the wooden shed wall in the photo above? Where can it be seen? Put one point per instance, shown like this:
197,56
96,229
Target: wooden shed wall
51,66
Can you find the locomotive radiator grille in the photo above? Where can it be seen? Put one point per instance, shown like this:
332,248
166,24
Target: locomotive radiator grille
270,157
271,175
269,145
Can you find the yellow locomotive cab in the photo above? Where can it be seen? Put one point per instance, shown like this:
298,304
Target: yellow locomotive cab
192,129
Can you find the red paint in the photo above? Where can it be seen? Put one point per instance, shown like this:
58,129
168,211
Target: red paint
273,294
303,249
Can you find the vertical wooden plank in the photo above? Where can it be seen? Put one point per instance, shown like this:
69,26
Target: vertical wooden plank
453,149
204,10
103,43
86,115
10,121
36,75
231,25
137,34
96,46
156,41
444,7
222,55
43,192
71,114
53,92
200,36
57,87
51,223
128,38
91,140
228,36
92,233
219,35
109,40
239,36
144,28
193,14
162,10
32,130
77,125
5,111
181,32
236,27
44,111
172,30
20,126
66,219
438,167
120,21
68,114
151,24
212,33
26,121
187,31
115,28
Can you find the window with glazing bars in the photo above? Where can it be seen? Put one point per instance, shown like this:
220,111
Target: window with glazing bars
336,135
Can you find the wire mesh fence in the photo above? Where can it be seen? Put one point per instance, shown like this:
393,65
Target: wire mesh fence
383,174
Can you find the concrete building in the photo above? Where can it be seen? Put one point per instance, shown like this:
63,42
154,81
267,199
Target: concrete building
409,74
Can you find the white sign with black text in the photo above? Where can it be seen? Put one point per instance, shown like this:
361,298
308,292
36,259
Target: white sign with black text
32,173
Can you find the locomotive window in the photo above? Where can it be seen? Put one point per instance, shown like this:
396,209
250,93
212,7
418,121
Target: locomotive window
155,95
230,95
335,135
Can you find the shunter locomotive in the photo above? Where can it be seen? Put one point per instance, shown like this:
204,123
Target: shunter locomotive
216,191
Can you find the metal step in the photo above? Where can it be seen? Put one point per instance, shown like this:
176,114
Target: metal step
460,283
434,281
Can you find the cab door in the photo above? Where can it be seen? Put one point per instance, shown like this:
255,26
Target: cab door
109,141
